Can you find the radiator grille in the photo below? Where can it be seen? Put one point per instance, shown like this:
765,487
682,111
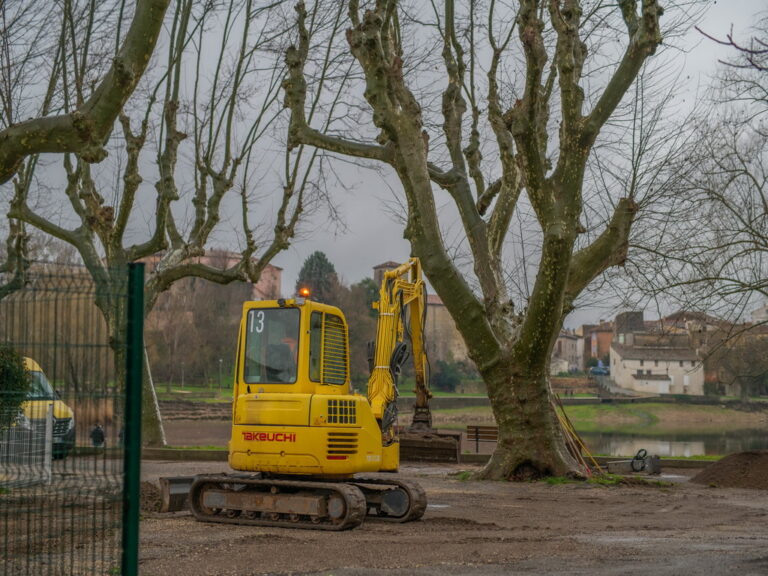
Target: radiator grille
342,412
60,426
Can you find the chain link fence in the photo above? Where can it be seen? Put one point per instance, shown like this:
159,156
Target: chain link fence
69,459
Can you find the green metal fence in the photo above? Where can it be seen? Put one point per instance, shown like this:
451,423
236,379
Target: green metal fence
69,460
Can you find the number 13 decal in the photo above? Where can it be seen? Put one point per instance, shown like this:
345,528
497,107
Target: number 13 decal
259,322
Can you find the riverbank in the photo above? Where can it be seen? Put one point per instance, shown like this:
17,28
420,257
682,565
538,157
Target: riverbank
628,418
615,429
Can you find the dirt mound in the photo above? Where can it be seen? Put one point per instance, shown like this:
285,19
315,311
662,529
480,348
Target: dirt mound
150,500
741,470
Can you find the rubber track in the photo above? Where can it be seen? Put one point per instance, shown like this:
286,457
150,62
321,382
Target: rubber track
353,497
417,498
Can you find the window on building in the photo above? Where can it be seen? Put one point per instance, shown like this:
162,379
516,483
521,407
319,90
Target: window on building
642,362
639,372
648,372
655,362
681,363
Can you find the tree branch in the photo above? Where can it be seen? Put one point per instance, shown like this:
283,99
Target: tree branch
16,262
569,58
524,121
609,249
507,188
295,86
85,130
644,37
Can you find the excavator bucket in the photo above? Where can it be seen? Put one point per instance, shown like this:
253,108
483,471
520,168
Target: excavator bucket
418,446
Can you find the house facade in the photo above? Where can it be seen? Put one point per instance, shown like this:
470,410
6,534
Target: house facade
654,363
656,368
566,355
595,341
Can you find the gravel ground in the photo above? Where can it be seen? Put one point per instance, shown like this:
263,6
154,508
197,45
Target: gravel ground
486,529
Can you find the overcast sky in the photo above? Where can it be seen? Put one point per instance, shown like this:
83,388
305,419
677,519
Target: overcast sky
372,235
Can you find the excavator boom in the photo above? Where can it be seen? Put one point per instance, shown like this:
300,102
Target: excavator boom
402,312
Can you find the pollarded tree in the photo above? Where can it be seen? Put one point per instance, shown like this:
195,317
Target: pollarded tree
201,127
516,131
83,128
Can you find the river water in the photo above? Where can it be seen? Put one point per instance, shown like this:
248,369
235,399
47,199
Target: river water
679,445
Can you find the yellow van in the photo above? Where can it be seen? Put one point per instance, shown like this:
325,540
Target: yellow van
41,395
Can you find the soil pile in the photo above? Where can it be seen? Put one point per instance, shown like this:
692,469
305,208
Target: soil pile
150,500
741,470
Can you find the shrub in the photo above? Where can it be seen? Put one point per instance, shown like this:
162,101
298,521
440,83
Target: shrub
446,377
15,383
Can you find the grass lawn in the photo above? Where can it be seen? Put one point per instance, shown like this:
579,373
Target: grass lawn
646,418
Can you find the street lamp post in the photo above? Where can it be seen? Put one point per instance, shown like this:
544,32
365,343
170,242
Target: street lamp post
220,365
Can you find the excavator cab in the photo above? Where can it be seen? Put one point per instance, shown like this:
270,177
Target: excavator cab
293,412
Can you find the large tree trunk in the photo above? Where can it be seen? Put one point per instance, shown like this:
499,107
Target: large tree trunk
531,443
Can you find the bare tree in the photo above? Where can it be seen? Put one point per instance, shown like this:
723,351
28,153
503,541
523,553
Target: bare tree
743,74
82,128
711,254
742,361
514,132
203,124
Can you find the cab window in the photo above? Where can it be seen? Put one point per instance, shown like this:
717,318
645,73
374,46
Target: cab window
271,346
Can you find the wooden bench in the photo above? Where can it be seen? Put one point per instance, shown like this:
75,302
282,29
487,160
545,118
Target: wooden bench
482,434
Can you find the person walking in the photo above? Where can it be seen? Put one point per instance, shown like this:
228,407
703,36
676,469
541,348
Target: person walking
97,436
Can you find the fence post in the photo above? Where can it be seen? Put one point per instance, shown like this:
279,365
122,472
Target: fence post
47,468
132,434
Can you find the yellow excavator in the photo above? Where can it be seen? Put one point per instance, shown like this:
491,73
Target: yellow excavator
301,439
